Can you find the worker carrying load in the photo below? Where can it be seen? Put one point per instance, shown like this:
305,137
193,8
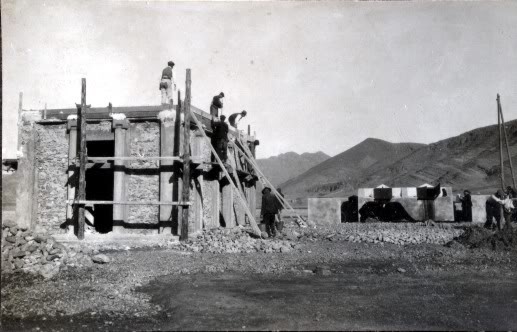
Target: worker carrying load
233,118
167,83
217,104
220,138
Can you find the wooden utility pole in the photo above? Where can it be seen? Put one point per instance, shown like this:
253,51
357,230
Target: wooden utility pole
500,108
500,143
186,159
82,159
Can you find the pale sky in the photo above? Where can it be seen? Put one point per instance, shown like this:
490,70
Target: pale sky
312,75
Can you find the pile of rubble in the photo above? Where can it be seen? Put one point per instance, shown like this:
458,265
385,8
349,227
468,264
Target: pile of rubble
480,237
399,233
237,240
40,254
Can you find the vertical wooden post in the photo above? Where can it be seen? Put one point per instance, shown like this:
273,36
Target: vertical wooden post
72,168
186,160
506,140
82,159
500,142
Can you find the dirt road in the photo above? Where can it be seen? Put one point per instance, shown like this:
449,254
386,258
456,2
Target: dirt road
356,286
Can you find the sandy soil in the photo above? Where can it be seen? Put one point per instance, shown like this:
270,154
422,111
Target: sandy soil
354,286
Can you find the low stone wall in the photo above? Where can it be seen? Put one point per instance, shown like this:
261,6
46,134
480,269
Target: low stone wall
325,211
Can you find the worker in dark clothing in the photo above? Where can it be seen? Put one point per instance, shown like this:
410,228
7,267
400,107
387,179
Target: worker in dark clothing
220,138
167,83
217,104
466,206
269,210
233,118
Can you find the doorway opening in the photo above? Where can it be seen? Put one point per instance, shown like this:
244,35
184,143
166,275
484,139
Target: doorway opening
99,185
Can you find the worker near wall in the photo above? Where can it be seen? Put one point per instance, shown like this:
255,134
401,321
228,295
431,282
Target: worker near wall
233,118
220,138
466,206
167,83
493,209
217,104
268,211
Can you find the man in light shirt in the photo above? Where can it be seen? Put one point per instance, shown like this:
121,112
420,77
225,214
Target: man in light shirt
167,83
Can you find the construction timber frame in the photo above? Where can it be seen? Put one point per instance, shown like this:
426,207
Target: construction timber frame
184,156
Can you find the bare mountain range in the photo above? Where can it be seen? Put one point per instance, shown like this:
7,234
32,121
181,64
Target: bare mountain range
467,161
285,166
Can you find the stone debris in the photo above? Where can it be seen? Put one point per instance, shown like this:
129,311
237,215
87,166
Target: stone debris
100,259
39,254
375,232
237,240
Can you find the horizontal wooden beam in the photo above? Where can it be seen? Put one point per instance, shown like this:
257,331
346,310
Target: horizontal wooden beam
91,202
105,159
131,112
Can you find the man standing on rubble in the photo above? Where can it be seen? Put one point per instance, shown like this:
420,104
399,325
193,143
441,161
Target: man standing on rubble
167,83
268,211
233,118
217,104
220,138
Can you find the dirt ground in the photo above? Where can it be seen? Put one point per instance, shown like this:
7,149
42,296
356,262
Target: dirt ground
325,285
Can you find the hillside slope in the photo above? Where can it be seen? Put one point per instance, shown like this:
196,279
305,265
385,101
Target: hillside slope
467,161
285,166
348,166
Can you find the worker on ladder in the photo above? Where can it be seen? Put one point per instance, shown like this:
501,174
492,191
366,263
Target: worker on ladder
220,138
167,83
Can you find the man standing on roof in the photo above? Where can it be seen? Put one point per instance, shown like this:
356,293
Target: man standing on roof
233,118
268,211
217,104
220,138
167,83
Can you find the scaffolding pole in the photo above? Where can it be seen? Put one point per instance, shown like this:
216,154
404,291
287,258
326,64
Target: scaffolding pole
186,159
82,159
253,223
263,178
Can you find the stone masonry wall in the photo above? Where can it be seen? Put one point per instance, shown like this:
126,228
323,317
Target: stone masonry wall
51,161
143,177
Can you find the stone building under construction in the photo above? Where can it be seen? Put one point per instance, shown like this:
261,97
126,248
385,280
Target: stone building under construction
145,185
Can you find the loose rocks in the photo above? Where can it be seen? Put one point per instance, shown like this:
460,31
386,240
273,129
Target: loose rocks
37,254
100,259
235,240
